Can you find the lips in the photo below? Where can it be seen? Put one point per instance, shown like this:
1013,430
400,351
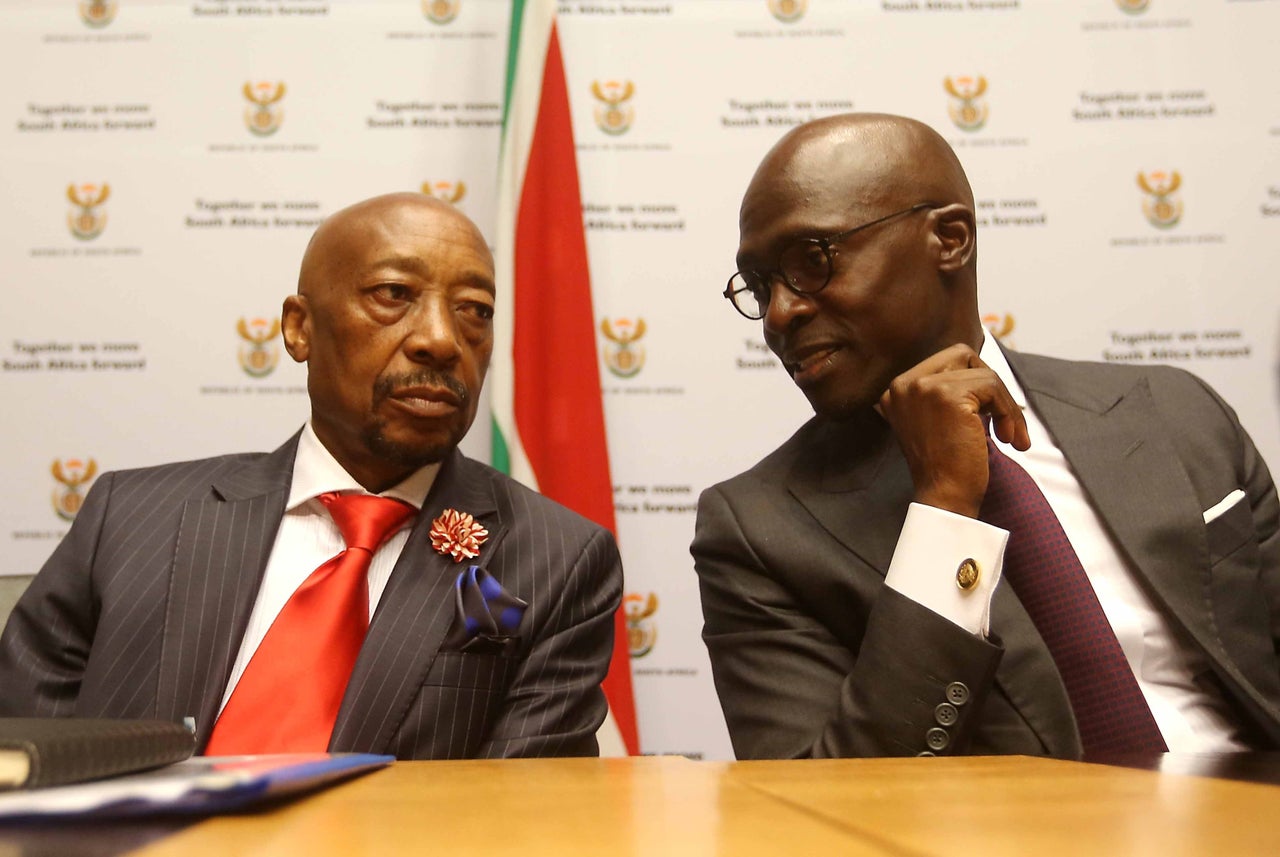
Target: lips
807,363
426,400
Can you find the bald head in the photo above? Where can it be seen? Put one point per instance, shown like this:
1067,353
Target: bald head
869,161
377,217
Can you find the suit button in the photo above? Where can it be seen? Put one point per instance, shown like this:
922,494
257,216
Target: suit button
946,714
967,575
937,739
925,753
957,693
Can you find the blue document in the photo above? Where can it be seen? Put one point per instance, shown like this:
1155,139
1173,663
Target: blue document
202,785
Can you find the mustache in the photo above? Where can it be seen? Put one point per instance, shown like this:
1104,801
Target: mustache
388,384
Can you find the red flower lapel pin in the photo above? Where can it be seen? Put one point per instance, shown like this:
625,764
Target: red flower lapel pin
457,534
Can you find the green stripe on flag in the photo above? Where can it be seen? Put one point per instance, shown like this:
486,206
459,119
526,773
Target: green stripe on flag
513,55
499,455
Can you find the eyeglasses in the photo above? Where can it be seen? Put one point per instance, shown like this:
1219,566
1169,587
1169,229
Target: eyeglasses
804,266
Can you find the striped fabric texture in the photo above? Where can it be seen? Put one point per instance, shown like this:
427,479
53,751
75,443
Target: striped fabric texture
140,612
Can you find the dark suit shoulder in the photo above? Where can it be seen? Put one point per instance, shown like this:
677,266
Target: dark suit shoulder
1175,392
516,499
777,463
229,477
163,490
817,449
1103,381
197,470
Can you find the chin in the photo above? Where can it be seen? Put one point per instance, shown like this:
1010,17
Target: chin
413,452
838,414
838,407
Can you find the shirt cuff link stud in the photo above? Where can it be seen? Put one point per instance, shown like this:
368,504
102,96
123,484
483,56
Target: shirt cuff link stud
967,575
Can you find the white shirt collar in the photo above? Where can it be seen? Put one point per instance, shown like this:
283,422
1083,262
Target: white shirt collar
994,357
316,471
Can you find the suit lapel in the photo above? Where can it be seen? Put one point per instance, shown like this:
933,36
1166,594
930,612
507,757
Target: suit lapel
414,614
221,554
1131,471
854,481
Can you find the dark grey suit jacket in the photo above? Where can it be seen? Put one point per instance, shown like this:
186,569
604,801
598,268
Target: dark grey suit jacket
141,609
814,656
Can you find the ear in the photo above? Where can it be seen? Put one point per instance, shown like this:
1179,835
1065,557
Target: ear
957,237
295,327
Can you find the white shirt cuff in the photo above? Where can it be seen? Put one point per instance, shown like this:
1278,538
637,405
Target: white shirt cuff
931,548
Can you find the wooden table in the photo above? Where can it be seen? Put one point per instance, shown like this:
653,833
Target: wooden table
1008,805
526,808
672,806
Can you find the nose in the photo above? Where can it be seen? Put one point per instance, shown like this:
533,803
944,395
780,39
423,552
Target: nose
433,337
787,309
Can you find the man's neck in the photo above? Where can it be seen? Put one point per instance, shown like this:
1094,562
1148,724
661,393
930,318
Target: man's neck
317,470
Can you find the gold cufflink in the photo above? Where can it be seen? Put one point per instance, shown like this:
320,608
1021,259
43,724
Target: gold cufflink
967,575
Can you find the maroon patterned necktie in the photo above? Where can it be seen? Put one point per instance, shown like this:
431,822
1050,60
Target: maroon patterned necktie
1045,573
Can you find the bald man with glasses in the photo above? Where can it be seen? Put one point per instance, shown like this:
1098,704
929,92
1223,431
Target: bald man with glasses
967,549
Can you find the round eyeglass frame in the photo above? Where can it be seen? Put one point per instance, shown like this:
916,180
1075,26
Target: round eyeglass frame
731,292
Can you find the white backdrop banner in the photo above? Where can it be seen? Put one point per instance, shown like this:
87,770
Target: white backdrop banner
165,163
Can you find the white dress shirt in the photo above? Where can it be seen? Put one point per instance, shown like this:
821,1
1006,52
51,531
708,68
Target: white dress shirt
1172,674
308,537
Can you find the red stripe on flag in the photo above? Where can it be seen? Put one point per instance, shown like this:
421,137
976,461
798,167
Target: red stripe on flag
558,411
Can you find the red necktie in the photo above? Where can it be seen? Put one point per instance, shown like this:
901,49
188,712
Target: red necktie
1045,573
288,697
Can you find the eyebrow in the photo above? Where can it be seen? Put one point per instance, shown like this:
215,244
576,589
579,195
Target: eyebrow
782,242
416,265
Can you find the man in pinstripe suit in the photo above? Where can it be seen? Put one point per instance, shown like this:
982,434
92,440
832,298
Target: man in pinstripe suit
171,575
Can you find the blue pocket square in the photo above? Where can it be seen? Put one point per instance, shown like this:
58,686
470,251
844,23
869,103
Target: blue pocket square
487,614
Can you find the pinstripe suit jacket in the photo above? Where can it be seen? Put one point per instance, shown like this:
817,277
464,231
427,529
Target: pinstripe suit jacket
140,611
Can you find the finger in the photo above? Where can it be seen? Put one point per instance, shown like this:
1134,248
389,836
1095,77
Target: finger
1011,427
1007,418
951,359
972,391
1008,421
989,395
955,358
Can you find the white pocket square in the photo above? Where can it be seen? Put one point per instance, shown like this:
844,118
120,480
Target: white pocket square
1223,505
